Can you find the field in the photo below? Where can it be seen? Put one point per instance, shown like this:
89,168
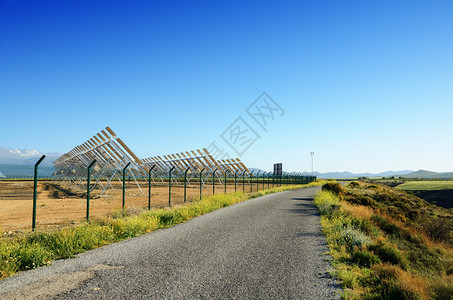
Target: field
426,185
436,192
58,207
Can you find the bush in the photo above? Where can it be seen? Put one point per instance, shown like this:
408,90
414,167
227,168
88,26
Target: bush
364,258
443,291
439,229
388,254
354,184
392,283
354,238
31,256
334,187
326,202
361,200
386,226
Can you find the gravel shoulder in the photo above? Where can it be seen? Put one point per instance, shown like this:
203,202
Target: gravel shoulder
267,247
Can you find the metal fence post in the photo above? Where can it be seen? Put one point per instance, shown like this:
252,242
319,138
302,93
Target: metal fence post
149,186
264,174
88,190
35,192
124,184
243,181
213,181
251,181
268,177
185,184
169,186
226,181
258,181
201,183
235,180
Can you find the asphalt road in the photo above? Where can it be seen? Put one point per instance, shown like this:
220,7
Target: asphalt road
267,248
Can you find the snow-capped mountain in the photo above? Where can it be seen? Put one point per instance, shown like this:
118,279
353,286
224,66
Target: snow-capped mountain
9,156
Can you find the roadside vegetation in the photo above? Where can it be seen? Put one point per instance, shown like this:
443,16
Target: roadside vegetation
28,251
386,243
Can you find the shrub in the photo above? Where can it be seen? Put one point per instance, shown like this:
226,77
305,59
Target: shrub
364,258
365,226
439,229
326,202
443,290
388,254
334,187
353,237
386,226
392,282
166,217
31,256
354,184
361,200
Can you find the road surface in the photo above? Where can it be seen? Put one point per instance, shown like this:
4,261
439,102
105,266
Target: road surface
265,248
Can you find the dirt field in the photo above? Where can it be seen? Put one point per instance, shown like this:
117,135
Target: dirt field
57,206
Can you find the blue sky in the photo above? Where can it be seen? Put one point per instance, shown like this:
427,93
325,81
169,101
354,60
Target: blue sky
366,85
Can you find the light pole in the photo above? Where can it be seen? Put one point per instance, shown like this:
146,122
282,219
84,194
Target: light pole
312,153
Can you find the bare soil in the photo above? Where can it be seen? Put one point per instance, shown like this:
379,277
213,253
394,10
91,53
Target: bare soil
57,205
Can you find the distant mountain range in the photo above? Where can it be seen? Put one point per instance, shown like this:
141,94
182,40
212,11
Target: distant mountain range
9,156
429,175
402,173
20,162
339,175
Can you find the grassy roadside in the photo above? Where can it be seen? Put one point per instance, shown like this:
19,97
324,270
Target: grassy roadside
387,244
32,250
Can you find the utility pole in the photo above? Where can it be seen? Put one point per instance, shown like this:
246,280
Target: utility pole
312,153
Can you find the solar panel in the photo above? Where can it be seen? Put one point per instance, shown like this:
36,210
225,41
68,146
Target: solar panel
112,155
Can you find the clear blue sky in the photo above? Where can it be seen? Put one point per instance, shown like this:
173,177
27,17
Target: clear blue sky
366,85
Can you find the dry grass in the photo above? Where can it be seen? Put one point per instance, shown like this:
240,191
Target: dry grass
397,282
358,211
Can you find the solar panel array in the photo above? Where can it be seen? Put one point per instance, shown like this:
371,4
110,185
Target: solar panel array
112,155
193,161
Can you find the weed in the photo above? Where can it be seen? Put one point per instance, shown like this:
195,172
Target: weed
388,254
391,282
386,226
32,255
327,202
364,258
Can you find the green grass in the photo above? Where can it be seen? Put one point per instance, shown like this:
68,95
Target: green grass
32,250
385,243
426,185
